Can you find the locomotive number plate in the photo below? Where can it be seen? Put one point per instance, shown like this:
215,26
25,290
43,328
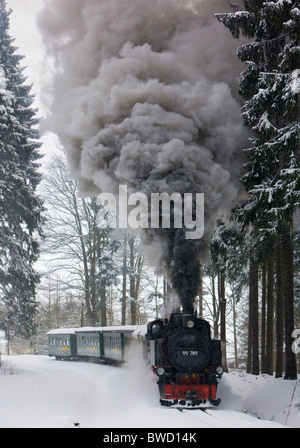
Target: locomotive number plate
190,352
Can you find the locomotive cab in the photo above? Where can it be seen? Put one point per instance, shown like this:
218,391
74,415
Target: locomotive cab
186,360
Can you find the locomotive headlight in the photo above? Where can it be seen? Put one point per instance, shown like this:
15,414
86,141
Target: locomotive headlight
190,324
160,371
220,370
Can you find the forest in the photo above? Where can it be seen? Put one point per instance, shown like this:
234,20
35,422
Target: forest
62,265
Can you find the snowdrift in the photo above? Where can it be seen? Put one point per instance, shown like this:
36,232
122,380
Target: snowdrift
41,392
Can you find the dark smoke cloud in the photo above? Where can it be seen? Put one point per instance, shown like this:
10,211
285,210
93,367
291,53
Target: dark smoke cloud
144,95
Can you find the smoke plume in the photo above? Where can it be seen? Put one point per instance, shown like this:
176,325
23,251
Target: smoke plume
144,95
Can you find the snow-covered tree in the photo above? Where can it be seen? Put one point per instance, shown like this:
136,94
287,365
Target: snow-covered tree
20,206
271,86
228,260
102,253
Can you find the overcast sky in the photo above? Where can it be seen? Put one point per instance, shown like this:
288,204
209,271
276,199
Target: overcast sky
23,28
28,39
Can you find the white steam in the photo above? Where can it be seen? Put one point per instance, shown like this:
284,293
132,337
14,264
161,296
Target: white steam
143,96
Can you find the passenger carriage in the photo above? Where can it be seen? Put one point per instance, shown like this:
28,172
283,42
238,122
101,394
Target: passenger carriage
89,343
62,343
106,344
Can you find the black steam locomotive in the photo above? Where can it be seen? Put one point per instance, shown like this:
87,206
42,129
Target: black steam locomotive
186,360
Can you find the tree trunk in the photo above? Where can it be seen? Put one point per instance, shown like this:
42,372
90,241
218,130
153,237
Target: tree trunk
250,328
288,288
216,309
270,318
94,250
132,282
236,359
103,306
82,319
279,312
124,293
263,318
253,306
222,301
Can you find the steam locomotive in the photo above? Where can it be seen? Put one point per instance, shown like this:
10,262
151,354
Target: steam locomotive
180,352
187,361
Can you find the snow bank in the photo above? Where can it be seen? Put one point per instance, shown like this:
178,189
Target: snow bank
41,392
265,397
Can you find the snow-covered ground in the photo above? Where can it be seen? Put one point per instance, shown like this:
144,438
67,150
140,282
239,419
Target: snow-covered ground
41,392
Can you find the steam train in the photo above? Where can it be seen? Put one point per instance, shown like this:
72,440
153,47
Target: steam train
180,351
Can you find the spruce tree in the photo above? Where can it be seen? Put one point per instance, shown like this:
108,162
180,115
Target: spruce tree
20,206
271,86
